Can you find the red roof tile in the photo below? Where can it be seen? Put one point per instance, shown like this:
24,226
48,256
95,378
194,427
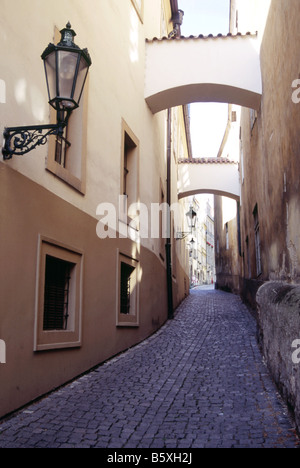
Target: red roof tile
201,36
206,161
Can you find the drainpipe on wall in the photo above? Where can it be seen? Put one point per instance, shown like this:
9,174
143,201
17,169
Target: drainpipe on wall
177,18
168,243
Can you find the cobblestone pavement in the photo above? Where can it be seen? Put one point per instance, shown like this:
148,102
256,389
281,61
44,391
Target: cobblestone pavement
199,382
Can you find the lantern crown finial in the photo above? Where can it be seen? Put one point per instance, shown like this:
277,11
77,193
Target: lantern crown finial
67,36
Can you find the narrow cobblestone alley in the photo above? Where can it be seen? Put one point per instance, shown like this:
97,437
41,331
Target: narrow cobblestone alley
199,382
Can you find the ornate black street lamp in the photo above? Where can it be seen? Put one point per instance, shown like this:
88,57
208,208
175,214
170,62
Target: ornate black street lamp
191,219
66,69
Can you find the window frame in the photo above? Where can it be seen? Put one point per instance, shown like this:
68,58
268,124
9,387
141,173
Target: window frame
257,240
59,276
227,236
73,171
249,271
131,319
130,157
162,235
58,339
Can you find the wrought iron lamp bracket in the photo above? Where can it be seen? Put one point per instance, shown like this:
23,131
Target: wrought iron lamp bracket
182,235
22,140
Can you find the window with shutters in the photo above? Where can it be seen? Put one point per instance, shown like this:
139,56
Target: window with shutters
57,293
127,277
58,307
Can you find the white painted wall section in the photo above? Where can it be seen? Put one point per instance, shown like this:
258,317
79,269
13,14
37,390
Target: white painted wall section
214,69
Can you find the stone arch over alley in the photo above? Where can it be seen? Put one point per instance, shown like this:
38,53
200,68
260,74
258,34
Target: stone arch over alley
203,69
217,176
224,69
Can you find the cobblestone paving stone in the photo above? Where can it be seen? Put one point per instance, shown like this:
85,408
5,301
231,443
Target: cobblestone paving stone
200,382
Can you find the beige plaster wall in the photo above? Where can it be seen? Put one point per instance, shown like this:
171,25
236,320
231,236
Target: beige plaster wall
34,202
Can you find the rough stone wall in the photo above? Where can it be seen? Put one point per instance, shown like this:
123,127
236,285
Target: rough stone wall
279,325
271,148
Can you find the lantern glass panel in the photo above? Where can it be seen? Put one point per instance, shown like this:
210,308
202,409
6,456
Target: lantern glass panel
67,63
82,73
191,218
50,69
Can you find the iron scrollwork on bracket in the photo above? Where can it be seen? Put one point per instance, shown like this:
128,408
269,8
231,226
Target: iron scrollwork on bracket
21,140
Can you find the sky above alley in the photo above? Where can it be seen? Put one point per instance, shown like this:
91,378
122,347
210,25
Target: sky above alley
208,120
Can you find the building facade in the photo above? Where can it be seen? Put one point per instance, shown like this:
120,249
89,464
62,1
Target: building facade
270,152
265,254
266,221
201,243
82,278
